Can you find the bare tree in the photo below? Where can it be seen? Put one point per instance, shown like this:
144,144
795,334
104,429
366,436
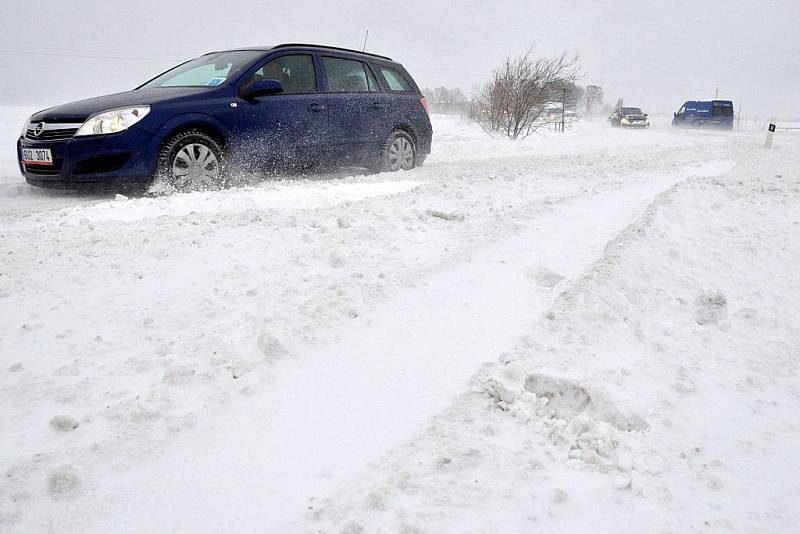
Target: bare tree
512,103
594,99
575,96
458,97
445,100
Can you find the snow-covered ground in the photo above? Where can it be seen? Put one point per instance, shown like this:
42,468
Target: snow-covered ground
595,331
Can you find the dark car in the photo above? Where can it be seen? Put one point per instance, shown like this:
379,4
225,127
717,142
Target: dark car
291,105
705,114
629,118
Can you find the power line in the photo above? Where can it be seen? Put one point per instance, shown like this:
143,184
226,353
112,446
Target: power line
460,72
86,56
85,53
646,86
64,49
99,54
636,86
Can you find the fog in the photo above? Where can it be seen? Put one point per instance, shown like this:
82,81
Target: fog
654,56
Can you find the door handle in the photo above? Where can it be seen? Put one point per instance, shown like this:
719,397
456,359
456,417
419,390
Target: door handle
316,107
378,106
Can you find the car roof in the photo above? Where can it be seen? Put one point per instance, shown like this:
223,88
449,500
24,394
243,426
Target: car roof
306,46
708,102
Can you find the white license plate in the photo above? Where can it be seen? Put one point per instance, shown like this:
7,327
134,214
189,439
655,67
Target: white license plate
37,156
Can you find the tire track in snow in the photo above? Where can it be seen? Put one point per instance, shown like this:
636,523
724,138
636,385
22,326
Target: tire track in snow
337,407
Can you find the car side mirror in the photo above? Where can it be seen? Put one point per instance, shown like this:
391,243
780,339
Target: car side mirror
264,88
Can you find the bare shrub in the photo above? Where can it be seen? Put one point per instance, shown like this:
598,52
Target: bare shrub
513,102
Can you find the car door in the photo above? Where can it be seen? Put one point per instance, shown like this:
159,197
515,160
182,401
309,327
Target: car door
400,100
352,107
287,127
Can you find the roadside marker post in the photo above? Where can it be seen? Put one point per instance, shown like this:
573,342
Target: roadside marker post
770,132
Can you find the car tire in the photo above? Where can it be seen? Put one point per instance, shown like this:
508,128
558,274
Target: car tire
399,152
191,161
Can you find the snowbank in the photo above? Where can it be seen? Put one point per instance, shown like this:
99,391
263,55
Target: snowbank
175,362
620,410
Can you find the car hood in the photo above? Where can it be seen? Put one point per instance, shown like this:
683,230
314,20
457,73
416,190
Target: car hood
81,110
635,116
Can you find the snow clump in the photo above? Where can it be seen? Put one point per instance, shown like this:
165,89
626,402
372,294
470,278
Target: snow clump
63,481
710,307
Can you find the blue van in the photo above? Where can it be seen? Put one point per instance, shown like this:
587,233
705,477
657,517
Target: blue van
291,105
708,114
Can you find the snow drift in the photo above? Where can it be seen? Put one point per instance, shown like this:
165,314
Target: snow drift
640,398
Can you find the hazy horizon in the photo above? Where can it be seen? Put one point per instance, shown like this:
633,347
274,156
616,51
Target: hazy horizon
655,57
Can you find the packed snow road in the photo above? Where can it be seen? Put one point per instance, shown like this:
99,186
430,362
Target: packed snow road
214,361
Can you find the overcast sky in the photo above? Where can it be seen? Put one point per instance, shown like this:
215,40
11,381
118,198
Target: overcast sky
654,53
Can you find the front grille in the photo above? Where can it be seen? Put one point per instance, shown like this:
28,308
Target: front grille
54,134
46,170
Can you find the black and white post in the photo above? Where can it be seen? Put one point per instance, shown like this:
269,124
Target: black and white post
770,132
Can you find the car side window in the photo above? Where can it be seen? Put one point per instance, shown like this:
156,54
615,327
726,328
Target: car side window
295,72
394,80
348,76
682,110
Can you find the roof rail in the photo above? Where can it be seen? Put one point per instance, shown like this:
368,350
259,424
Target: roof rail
287,45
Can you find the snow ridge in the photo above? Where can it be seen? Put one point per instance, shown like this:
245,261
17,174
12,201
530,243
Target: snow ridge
625,410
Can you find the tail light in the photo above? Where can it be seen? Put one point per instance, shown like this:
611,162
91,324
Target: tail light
425,105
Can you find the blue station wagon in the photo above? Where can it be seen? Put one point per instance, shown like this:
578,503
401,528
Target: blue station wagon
286,106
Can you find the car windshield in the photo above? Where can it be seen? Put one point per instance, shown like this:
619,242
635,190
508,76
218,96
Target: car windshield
210,70
632,111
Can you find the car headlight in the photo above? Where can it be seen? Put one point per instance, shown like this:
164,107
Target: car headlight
25,126
625,120
112,121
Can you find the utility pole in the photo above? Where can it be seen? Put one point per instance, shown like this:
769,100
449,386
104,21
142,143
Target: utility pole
563,106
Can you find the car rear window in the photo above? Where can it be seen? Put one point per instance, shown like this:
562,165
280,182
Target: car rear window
395,80
723,109
348,76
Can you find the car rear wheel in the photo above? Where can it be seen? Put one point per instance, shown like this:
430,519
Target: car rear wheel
399,152
191,161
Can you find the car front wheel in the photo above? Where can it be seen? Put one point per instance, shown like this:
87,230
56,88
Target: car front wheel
191,161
